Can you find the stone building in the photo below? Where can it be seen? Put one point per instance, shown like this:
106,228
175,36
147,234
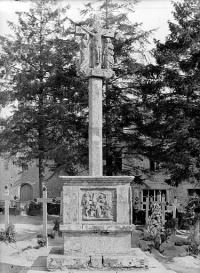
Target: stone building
23,180
152,182
24,186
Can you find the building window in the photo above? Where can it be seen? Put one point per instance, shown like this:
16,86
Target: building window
153,165
154,194
24,167
194,192
118,163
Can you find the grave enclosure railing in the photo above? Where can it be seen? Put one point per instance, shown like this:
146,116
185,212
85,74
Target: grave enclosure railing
165,206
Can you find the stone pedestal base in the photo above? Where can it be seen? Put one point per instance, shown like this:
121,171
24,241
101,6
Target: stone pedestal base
131,260
96,226
96,239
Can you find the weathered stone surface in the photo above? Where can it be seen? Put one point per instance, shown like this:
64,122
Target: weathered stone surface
124,261
95,127
64,262
123,204
94,243
96,261
115,206
96,225
96,181
70,205
97,228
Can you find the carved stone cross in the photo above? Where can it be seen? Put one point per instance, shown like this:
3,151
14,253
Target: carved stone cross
96,50
96,61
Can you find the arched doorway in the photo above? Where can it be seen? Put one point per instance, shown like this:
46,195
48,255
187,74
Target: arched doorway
26,192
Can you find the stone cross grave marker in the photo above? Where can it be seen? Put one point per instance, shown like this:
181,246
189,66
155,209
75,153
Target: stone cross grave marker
96,61
6,198
44,200
96,219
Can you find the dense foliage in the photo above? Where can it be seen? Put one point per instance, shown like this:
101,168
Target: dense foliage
168,113
48,121
40,73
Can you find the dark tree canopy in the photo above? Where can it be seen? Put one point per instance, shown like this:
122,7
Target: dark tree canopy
49,121
168,114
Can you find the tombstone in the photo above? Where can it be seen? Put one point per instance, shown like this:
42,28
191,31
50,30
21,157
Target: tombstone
96,222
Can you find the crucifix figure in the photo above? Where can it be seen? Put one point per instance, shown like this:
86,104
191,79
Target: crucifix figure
92,47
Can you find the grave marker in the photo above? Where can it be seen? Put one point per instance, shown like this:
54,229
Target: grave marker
6,198
175,204
96,222
44,200
96,52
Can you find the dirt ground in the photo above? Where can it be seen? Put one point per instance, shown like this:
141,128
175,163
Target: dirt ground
172,257
20,256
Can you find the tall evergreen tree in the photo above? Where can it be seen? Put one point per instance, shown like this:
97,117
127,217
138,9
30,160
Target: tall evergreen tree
168,114
49,121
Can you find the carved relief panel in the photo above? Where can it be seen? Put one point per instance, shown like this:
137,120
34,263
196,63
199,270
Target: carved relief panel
98,204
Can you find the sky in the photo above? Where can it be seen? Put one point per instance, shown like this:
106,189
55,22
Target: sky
153,14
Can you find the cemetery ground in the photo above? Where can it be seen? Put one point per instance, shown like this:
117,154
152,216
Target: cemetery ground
24,255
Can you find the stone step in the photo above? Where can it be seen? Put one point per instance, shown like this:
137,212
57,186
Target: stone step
154,266
136,270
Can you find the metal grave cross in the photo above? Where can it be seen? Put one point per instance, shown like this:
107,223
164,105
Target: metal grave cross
45,200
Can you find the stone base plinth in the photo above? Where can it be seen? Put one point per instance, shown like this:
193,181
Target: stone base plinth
96,225
96,239
133,259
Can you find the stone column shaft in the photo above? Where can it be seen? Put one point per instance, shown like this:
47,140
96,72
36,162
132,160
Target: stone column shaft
95,127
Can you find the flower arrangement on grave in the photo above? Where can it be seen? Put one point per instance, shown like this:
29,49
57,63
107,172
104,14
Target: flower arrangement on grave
8,235
193,213
155,226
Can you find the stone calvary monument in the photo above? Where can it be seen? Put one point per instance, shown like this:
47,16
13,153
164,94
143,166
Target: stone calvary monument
96,222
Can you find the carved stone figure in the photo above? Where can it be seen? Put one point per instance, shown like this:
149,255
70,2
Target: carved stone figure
86,204
100,205
107,210
96,45
84,52
108,54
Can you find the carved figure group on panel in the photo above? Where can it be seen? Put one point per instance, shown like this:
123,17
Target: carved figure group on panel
95,206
